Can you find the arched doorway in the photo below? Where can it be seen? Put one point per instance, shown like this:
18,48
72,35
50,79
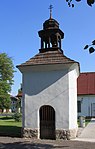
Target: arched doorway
47,122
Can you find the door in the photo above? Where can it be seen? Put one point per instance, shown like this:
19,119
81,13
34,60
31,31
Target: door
47,122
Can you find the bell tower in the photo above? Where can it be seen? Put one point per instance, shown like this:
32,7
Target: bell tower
51,35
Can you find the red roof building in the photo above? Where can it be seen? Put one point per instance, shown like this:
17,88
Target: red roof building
86,83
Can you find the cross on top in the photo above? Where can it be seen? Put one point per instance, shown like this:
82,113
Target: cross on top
50,7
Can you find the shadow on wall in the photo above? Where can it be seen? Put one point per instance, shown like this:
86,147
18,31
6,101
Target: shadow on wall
37,82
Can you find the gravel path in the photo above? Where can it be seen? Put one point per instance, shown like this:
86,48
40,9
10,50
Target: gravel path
22,143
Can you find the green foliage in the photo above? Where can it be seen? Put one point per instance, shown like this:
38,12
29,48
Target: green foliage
90,47
20,90
71,2
5,102
6,79
6,72
17,117
90,3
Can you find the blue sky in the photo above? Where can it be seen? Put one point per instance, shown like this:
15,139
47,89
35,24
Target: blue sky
20,21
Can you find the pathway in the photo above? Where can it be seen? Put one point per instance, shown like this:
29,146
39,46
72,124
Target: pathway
88,133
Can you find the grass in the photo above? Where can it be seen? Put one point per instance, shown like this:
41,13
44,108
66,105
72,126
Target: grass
87,120
8,126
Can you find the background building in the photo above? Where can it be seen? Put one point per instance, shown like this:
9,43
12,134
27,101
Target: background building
86,94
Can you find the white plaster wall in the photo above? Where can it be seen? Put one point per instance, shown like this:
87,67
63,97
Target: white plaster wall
86,105
46,88
50,85
73,99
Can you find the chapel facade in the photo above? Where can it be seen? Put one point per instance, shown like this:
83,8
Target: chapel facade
49,80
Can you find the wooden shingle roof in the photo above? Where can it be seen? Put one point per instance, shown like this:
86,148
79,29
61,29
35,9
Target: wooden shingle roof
49,57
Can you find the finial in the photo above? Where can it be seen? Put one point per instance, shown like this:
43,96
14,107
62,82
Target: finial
50,7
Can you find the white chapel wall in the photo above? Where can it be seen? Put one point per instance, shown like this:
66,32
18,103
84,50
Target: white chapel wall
73,74
46,88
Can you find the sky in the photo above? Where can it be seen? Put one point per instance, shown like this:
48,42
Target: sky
20,21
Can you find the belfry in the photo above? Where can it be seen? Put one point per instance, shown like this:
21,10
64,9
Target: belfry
49,84
51,35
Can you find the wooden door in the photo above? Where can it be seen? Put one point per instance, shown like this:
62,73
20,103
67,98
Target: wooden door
47,122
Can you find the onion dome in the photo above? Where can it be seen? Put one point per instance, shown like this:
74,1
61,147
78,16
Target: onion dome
50,24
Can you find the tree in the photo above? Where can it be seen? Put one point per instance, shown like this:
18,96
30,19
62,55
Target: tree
90,3
90,47
71,2
19,98
6,80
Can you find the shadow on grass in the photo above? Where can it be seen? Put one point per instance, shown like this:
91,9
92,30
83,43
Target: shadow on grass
6,118
11,131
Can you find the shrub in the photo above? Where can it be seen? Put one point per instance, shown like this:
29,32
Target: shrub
17,116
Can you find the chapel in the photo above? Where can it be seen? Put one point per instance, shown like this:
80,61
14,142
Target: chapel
49,88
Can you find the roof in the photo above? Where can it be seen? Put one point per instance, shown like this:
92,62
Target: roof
19,94
86,83
53,56
50,23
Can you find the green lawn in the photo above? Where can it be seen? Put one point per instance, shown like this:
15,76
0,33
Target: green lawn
87,120
8,127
